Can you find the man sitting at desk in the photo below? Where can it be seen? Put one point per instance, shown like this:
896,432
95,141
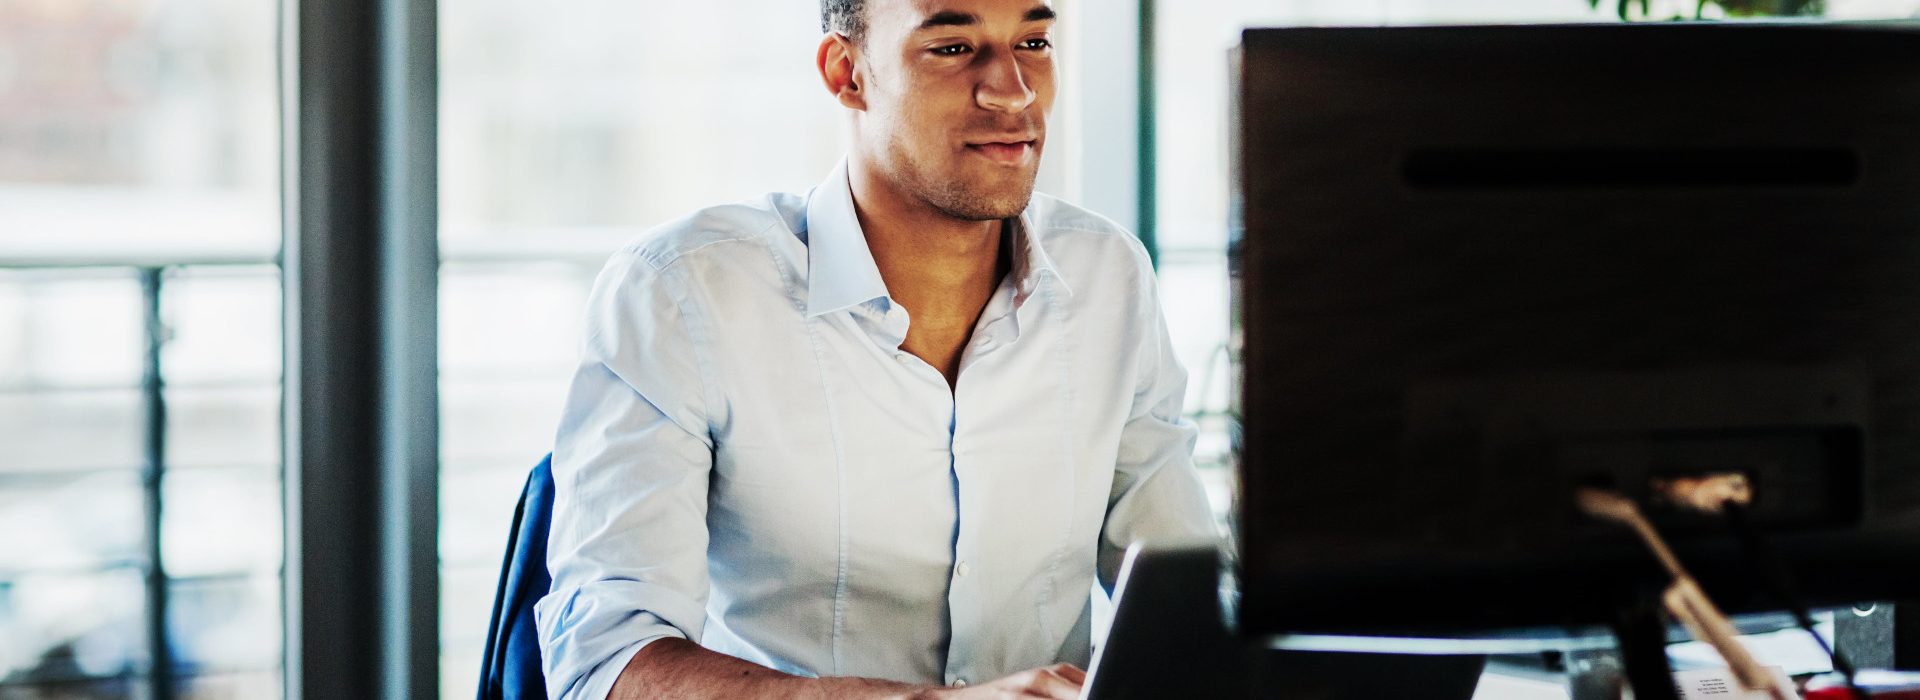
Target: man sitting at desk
880,439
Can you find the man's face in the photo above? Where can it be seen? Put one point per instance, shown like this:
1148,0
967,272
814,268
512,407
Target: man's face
956,99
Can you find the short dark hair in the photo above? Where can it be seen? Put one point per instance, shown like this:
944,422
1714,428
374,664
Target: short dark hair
848,17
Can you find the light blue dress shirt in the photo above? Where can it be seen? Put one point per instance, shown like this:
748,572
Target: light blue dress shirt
747,458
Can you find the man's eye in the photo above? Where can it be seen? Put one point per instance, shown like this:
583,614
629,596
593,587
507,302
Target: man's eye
1037,44
952,50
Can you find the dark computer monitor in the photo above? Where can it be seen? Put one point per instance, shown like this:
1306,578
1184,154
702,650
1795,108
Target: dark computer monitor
1479,267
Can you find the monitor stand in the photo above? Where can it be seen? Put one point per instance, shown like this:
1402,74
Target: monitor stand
1642,631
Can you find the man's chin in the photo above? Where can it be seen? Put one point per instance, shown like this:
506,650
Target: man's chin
1006,195
975,190
987,207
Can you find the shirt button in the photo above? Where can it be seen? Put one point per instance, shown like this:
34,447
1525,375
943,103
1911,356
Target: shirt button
959,683
903,358
960,569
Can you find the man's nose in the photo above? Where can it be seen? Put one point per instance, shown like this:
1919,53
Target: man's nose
1003,85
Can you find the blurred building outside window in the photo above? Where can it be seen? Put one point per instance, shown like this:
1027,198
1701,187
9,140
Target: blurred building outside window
138,136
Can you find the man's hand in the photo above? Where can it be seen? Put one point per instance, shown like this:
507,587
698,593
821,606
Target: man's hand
677,668
1058,682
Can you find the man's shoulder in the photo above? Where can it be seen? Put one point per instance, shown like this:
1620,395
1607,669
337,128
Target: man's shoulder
1071,231
754,221
1055,215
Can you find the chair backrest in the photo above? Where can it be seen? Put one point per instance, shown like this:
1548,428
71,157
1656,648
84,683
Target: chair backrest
510,668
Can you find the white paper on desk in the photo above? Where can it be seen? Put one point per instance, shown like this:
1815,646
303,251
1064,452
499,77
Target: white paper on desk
1721,684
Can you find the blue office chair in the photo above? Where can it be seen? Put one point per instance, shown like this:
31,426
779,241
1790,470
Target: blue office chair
510,670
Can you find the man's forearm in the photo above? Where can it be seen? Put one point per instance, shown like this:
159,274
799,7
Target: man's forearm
677,668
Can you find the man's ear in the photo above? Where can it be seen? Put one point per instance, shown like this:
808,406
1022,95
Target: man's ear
839,72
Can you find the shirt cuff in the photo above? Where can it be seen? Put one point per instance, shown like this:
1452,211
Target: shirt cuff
599,682
588,634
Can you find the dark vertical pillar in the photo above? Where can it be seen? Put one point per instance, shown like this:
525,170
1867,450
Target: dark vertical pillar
1148,137
360,265
410,361
153,395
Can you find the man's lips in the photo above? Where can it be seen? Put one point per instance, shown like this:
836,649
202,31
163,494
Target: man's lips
1006,152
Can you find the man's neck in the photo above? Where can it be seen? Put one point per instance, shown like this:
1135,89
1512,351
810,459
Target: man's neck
923,254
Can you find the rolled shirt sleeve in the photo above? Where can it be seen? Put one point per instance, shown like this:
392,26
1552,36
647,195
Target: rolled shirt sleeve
628,545
1157,495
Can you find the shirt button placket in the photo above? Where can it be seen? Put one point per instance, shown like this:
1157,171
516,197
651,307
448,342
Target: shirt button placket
962,601
963,613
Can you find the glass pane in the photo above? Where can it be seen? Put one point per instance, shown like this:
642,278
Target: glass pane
476,510
132,133
224,326
1873,9
551,128
70,627
241,686
55,430
13,329
221,521
499,424
229,427
466,602
226,625
524,320
80,328
137,127
1193,290
69,522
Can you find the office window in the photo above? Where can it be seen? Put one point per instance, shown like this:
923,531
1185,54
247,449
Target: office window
138,169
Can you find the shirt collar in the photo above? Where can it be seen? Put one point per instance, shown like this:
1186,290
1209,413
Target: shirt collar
1030,259
840,268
